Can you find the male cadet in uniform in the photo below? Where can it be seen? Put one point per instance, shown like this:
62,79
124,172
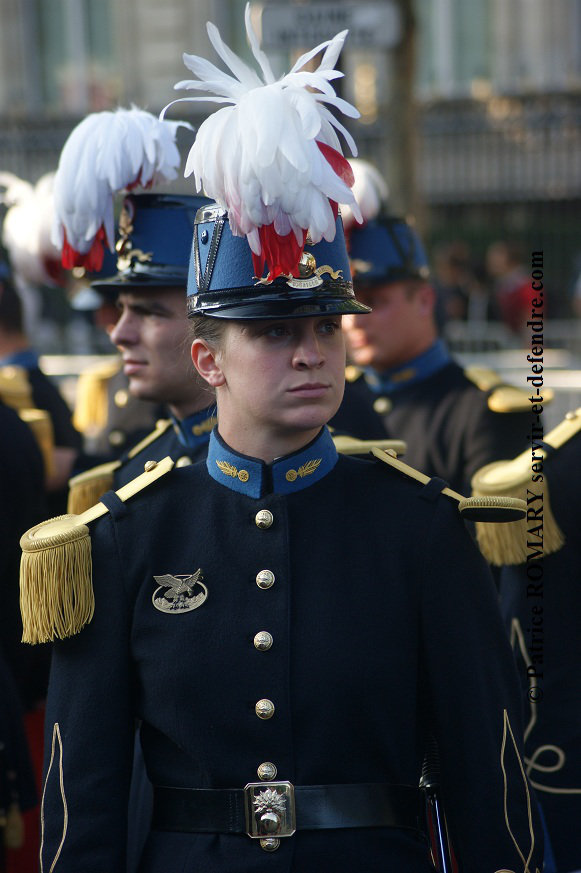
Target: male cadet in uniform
153,241
540,599
152,335
403,382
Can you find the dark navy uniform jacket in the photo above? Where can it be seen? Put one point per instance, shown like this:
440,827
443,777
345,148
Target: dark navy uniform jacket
22,504
553,721
444,418
183,441
385,627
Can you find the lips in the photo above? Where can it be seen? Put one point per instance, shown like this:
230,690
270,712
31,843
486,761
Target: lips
310,389
130,366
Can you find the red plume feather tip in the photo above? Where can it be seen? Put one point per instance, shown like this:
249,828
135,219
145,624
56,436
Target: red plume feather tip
340,165
91,260
281,253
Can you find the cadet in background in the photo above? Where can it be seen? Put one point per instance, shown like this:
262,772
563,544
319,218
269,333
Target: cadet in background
152,336
20,359
403,382
540,599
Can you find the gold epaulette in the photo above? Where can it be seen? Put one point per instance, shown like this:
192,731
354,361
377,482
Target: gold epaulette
85,488
92,401
15,390
56,590
348,445
161,426
492,508
40,423
503,397
515,478
352,373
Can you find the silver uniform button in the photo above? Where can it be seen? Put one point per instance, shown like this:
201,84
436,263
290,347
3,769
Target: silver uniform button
263,641
264,708
264,519
184,461
267,771
270,845
265,579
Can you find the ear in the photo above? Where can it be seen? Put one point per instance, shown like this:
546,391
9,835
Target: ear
205,360
426,297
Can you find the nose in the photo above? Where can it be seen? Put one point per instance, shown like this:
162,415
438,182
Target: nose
308,353
124,333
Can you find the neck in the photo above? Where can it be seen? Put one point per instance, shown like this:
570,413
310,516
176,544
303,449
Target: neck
10,343
181,409
266,446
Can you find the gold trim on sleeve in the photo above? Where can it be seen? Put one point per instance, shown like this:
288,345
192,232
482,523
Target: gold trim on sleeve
56,737
507,730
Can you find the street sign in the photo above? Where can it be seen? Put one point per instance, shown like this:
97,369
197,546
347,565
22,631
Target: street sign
370,25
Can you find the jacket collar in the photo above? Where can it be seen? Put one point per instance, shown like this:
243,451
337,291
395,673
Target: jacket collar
255,478
27,359
415,370
195,429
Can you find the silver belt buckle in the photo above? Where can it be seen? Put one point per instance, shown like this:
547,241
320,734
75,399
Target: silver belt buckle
270,809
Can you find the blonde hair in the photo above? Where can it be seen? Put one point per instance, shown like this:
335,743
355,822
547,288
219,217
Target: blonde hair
209,329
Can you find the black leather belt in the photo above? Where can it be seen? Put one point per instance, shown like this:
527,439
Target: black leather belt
277,809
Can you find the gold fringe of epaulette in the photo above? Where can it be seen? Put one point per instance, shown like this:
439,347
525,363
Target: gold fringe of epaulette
13,827
501,544
40,423
92,402
56,592
15,389
509,546
86,488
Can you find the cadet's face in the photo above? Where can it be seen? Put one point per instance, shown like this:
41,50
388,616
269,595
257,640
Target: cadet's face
152,334
392,333
281,377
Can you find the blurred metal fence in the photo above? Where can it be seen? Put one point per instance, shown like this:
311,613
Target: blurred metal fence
29,149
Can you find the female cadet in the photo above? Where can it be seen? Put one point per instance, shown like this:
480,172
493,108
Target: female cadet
288,625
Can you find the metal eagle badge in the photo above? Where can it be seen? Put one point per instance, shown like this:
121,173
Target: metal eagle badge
180,594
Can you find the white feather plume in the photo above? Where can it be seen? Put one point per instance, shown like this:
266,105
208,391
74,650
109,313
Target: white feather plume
370,191
106,153
266,156
27,226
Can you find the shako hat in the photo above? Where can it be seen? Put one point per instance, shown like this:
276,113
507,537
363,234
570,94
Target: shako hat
222,281
153,242
386,249
273,243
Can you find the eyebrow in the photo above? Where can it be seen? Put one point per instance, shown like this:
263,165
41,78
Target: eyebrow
143,304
